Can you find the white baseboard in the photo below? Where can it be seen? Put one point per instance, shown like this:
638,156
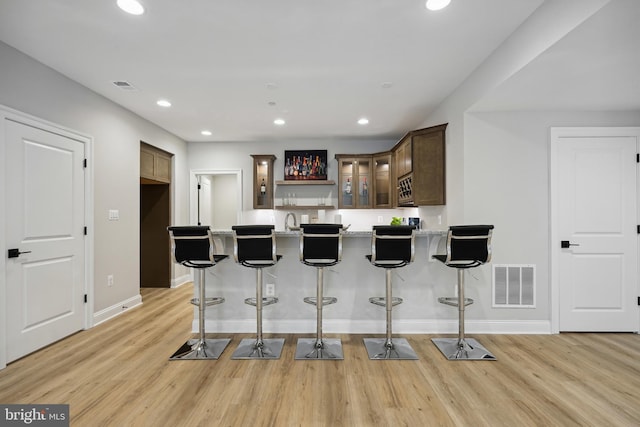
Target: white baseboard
342,326
116,309
179,281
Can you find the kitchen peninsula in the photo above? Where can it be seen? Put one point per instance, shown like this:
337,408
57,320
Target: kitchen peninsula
352,282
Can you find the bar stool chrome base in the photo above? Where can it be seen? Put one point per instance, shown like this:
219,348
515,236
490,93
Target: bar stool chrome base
196,349
250,348
326,349
462,349
383,349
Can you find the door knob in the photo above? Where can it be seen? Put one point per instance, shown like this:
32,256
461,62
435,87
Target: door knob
566,244
15,253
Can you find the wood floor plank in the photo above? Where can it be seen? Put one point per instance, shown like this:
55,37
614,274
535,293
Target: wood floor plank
118,374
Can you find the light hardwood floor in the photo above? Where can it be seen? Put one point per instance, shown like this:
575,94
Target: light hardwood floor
118,374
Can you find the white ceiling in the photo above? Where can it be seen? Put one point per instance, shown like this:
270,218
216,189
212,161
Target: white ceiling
596,67
323,63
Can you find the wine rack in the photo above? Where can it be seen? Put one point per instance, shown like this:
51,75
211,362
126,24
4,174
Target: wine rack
405,190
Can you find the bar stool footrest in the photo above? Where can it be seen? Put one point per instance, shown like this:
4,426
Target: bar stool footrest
265,301
462,349
382,301
195,349
453,301
208,301
325,300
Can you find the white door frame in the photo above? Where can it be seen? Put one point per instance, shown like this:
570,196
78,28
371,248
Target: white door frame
17,116
193,192
556,134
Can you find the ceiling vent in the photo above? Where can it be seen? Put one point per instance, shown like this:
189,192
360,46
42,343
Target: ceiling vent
124,85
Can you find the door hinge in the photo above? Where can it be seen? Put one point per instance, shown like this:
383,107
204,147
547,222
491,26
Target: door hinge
199,187
638,300
637,157
85,298
638,229
84,163
85,231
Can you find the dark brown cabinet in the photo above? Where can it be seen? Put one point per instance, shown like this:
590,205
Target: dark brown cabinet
354,181
155,164
383,184
420,167
263,181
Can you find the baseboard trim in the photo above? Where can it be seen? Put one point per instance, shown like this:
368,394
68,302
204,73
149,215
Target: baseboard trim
179,281
342,326
116,309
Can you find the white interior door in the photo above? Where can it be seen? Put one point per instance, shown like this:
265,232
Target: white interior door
45,221
205,201
596,216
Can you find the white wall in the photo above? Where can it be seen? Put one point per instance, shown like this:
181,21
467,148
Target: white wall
237,155
498,162
506,183
30,87
223,193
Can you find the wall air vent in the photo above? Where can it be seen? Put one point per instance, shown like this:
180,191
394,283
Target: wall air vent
514,285
124,85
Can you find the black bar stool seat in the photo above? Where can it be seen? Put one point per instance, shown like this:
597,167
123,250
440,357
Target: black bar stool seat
391,247
468,246
320,247
254,246
192,246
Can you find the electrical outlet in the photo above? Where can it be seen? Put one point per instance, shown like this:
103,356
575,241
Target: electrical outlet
270,290
380,219
110,280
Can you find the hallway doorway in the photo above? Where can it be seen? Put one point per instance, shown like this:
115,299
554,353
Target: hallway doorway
155,217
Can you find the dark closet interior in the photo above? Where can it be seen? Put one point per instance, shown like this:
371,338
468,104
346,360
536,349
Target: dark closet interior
155,263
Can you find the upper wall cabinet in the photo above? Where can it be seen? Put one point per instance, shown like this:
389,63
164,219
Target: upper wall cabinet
354,181
382,184
420,167
155,165
263,181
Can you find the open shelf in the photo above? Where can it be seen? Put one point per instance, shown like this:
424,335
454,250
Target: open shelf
309,182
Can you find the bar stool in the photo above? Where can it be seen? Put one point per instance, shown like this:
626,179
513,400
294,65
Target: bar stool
391,247
320,247
192,246
468,246
254,246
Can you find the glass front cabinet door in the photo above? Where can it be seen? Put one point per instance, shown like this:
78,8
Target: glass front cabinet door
263,181
383,196
354,182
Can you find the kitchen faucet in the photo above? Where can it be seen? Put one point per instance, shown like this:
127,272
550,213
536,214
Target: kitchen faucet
286,221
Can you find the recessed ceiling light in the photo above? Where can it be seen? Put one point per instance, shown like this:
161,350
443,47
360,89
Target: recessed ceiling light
131,6
206,132
437,4
363,121
163,103
279,122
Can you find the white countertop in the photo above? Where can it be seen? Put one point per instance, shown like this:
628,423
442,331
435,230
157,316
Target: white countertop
355,233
